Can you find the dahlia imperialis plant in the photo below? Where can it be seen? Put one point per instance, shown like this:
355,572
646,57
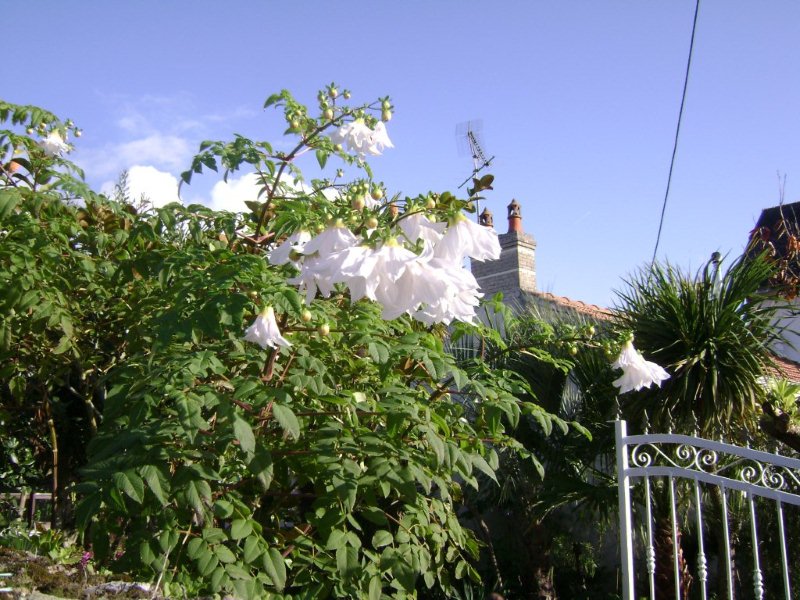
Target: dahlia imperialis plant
286,420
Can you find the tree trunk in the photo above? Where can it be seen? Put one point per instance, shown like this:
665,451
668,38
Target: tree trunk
665,563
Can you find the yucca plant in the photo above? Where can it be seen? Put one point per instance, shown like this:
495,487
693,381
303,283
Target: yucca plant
712,332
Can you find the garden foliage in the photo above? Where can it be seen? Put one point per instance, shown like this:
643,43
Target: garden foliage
331,466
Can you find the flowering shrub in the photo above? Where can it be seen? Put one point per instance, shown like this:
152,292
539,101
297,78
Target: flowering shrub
274,405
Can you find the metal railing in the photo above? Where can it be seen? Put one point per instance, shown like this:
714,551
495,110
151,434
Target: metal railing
720,504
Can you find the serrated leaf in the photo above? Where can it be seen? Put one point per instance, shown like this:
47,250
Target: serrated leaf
131,484
375,588
240,529
275,567
207,562
337,539
244,434
9,198
252,549
479,463
347,561
224,554
196,547
287,420
151,476
261,466
382,538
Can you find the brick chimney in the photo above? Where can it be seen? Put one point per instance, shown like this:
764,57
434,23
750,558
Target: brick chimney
515,271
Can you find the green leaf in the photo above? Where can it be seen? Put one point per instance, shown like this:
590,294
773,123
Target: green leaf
287,420
9,198
252,549
244,434
207,562
131,484
224,554
275,567
479,463
375,588
322,158
240,529
382,538
347,561
337,539
261,466
196,547
152,476
64,344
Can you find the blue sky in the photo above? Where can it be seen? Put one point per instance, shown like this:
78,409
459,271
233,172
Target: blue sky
578,101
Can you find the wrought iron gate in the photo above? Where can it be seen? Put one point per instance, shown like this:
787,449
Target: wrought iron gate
728,499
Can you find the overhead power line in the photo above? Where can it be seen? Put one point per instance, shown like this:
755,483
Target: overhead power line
677,133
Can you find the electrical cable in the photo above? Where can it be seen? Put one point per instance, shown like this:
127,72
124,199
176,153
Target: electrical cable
677,134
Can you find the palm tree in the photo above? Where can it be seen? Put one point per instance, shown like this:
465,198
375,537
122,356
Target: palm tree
712,332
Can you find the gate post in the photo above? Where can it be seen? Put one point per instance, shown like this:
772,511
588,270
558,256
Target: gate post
625,521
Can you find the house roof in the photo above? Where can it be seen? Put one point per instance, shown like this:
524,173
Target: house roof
788,369
777,226
591,311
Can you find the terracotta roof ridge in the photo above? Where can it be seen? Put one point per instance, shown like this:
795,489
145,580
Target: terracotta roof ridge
578,305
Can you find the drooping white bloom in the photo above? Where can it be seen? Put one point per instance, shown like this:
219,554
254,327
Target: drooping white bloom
54,144
358,137
294,244
379,140
637,373
333,239
418,226
466,238
264,331
364,272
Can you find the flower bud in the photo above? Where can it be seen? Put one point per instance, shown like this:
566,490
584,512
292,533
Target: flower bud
29,131
333,92
376,193
346,94
328,114
358,203
306,315
430,204
372,223
324,329
386,116
78,132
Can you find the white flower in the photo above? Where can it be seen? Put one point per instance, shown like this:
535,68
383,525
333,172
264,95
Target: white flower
264,331
637,373
418,226
54,144
333,239
466,238
358,137
294,244
369,269
379,140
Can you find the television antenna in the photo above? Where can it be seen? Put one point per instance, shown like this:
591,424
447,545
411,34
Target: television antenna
469,139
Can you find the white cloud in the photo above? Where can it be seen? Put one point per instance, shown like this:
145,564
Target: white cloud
144,181
231,195
166,152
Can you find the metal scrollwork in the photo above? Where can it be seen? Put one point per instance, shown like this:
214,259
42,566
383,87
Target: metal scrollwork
716,461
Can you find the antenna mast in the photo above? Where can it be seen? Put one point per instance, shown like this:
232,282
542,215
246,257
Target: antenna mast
471,131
